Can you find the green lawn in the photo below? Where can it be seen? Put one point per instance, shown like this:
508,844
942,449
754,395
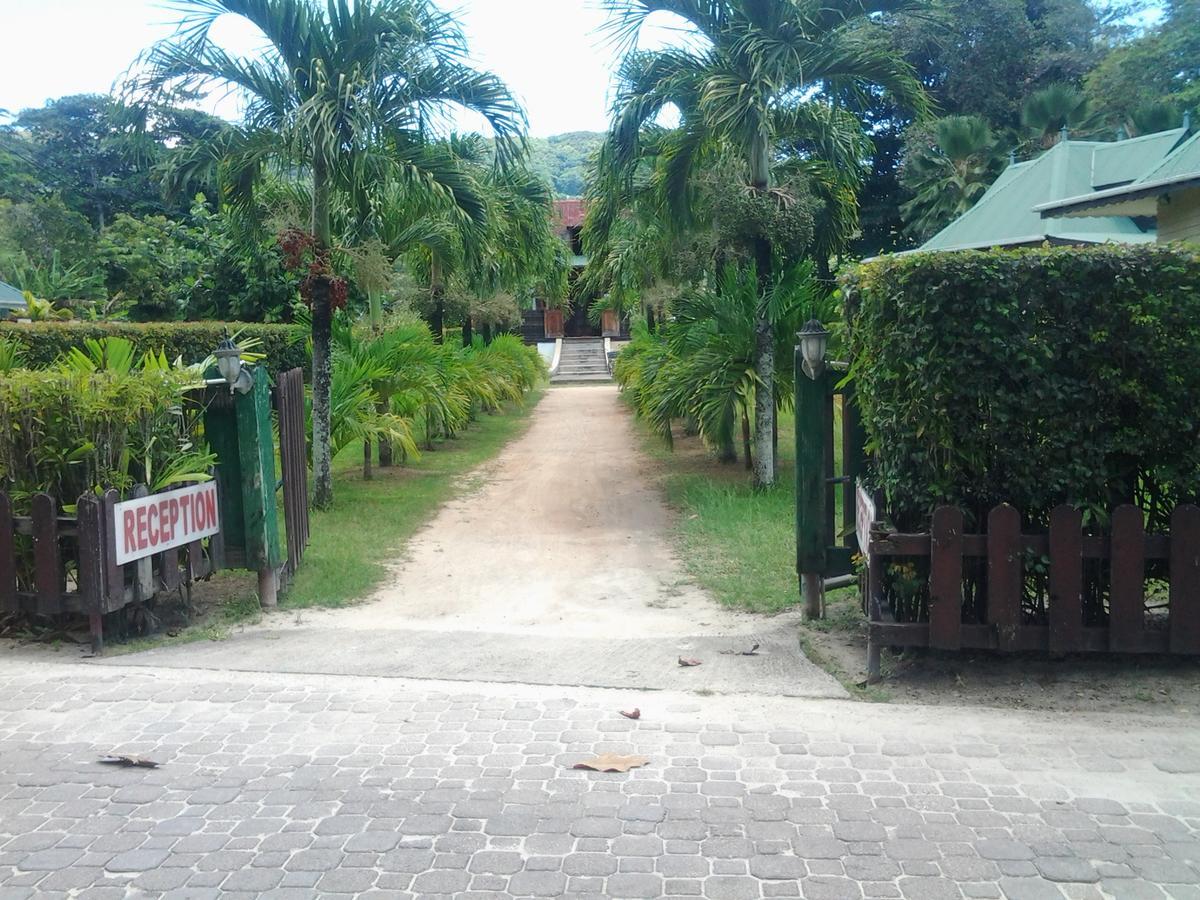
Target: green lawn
737,543
370,521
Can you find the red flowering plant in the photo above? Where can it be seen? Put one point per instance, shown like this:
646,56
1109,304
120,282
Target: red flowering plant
302,254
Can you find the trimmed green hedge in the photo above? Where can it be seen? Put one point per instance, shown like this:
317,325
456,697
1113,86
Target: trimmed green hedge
1034,377
68,433
45,342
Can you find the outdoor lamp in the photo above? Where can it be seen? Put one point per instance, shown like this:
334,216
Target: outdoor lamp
814,340
229,364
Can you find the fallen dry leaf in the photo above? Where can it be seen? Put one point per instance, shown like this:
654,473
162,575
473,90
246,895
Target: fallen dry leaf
684,661
612,762
634,713
129,762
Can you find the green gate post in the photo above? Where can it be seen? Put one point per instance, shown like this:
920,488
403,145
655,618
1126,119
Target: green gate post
811,552
238,428
256,454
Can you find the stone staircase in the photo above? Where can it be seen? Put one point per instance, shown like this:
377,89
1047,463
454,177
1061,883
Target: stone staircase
582,361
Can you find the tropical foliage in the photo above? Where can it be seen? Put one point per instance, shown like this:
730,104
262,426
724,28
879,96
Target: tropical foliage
948,172
392,383
345,92
69,431
744,93
698,368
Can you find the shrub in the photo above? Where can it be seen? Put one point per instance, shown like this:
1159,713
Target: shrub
1034,377
45,342
68,433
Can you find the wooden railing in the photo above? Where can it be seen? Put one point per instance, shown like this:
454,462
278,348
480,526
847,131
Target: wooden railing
52,564
1119,622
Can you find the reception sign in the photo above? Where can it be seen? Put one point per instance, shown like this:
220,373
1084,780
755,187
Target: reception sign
149,525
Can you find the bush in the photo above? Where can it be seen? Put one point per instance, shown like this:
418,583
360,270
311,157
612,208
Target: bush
1033,377
46,342
67,433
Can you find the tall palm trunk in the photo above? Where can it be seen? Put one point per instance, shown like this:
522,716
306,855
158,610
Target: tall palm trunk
746,449
386,453
468,331
437,319
322,335
764,333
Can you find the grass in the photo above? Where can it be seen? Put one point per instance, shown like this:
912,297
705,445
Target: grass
353,542
738,543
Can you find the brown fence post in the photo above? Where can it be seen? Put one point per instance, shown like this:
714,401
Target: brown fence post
143,582
1185,580
1005,573
89,514
945,579
47,565
114,574
1127,590
1066,579
8,557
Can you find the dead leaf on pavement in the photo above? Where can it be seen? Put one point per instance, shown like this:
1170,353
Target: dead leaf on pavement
129,762
684,661
612,762
634,713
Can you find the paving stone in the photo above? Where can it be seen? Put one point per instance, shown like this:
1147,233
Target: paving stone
308,787
538,884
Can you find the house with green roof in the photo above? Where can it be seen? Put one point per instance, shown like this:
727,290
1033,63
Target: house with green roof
1168,192
1010,213
10,299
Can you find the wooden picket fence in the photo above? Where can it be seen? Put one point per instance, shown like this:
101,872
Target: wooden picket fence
52,564
1000,556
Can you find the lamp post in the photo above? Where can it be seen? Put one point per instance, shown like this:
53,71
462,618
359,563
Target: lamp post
811,397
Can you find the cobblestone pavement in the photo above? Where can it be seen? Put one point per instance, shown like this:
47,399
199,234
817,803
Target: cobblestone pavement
301,786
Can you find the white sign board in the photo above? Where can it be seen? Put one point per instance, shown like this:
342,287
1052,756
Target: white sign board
161,522
864,518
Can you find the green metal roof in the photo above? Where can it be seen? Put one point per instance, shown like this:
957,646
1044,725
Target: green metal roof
10,297
1005,215
1183,163
1120,162
1178,171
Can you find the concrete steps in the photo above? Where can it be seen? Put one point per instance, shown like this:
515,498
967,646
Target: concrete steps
582,360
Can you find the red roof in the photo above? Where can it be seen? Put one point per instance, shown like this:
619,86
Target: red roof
569,213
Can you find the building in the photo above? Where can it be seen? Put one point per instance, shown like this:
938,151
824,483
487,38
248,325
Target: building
568,222
539,324
1010,213
1168,192
10,299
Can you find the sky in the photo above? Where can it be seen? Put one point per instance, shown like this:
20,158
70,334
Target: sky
547,51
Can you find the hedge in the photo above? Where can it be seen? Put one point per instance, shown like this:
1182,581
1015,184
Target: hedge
68,432
1033,377
45,342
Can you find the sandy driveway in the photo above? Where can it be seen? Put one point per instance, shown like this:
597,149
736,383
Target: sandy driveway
555,568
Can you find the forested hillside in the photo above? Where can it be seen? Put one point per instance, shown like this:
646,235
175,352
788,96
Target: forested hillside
563,159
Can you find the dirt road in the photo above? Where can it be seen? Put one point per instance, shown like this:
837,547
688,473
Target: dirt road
556,567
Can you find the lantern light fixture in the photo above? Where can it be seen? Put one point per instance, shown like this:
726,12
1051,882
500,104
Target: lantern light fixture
814,341
229,364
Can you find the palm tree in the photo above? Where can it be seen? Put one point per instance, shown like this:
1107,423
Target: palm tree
948,178
345,92
747,84
1053,111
